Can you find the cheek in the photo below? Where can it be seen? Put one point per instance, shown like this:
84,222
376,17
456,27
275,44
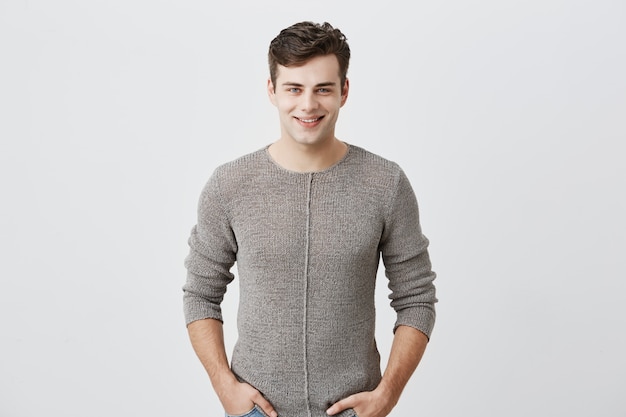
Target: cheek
285,105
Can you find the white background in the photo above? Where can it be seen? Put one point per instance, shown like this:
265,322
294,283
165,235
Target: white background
508,117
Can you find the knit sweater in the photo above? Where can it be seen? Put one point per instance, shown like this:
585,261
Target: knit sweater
307,248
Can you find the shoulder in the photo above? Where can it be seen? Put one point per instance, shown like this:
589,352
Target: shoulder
243,167
231,176
374,167
369,159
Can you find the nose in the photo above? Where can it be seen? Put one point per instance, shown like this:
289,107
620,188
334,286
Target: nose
309,101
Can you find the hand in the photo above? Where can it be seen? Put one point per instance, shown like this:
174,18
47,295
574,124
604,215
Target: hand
240,398
365,404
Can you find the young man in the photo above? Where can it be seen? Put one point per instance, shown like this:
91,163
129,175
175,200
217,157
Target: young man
306,219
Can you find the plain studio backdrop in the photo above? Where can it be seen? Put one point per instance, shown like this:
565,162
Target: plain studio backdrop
508,117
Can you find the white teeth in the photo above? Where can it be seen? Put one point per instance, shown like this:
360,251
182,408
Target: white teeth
309,120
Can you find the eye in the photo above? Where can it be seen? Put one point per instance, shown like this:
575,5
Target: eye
294,90
323,90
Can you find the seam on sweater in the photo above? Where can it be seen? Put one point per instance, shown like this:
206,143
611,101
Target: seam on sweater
306,291
218,187
394,194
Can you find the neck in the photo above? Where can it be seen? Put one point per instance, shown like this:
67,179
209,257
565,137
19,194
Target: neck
306,158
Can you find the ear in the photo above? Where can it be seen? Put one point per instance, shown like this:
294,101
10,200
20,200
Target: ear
344,93
271,91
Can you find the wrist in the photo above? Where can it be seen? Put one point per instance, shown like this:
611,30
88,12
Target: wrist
223,382
388,392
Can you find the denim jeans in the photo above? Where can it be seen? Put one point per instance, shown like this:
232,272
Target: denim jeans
255,412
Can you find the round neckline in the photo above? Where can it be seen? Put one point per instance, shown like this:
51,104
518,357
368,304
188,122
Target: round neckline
289,171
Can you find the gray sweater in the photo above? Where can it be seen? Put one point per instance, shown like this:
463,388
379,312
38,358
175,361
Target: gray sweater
307,248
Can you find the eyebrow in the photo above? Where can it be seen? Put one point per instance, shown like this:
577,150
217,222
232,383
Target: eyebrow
294,84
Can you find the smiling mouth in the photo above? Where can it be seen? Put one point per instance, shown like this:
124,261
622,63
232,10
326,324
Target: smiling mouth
317,119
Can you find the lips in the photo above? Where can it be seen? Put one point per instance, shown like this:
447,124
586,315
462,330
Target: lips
309,120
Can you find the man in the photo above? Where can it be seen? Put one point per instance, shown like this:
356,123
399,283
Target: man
306,219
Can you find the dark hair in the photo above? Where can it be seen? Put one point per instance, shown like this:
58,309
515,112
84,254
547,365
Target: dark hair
302,41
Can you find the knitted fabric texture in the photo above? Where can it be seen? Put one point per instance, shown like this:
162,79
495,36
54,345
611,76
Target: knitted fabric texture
307,249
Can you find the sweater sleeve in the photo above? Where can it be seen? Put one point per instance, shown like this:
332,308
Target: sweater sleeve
407,264
211,256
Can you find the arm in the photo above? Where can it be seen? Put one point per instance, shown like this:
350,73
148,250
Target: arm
408,267
212,254
406,352
207,339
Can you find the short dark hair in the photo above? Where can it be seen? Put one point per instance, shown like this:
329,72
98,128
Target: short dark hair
302,41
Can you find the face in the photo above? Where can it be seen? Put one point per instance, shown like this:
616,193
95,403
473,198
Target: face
308,99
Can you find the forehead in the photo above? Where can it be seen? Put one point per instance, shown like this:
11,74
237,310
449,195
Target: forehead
323,68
